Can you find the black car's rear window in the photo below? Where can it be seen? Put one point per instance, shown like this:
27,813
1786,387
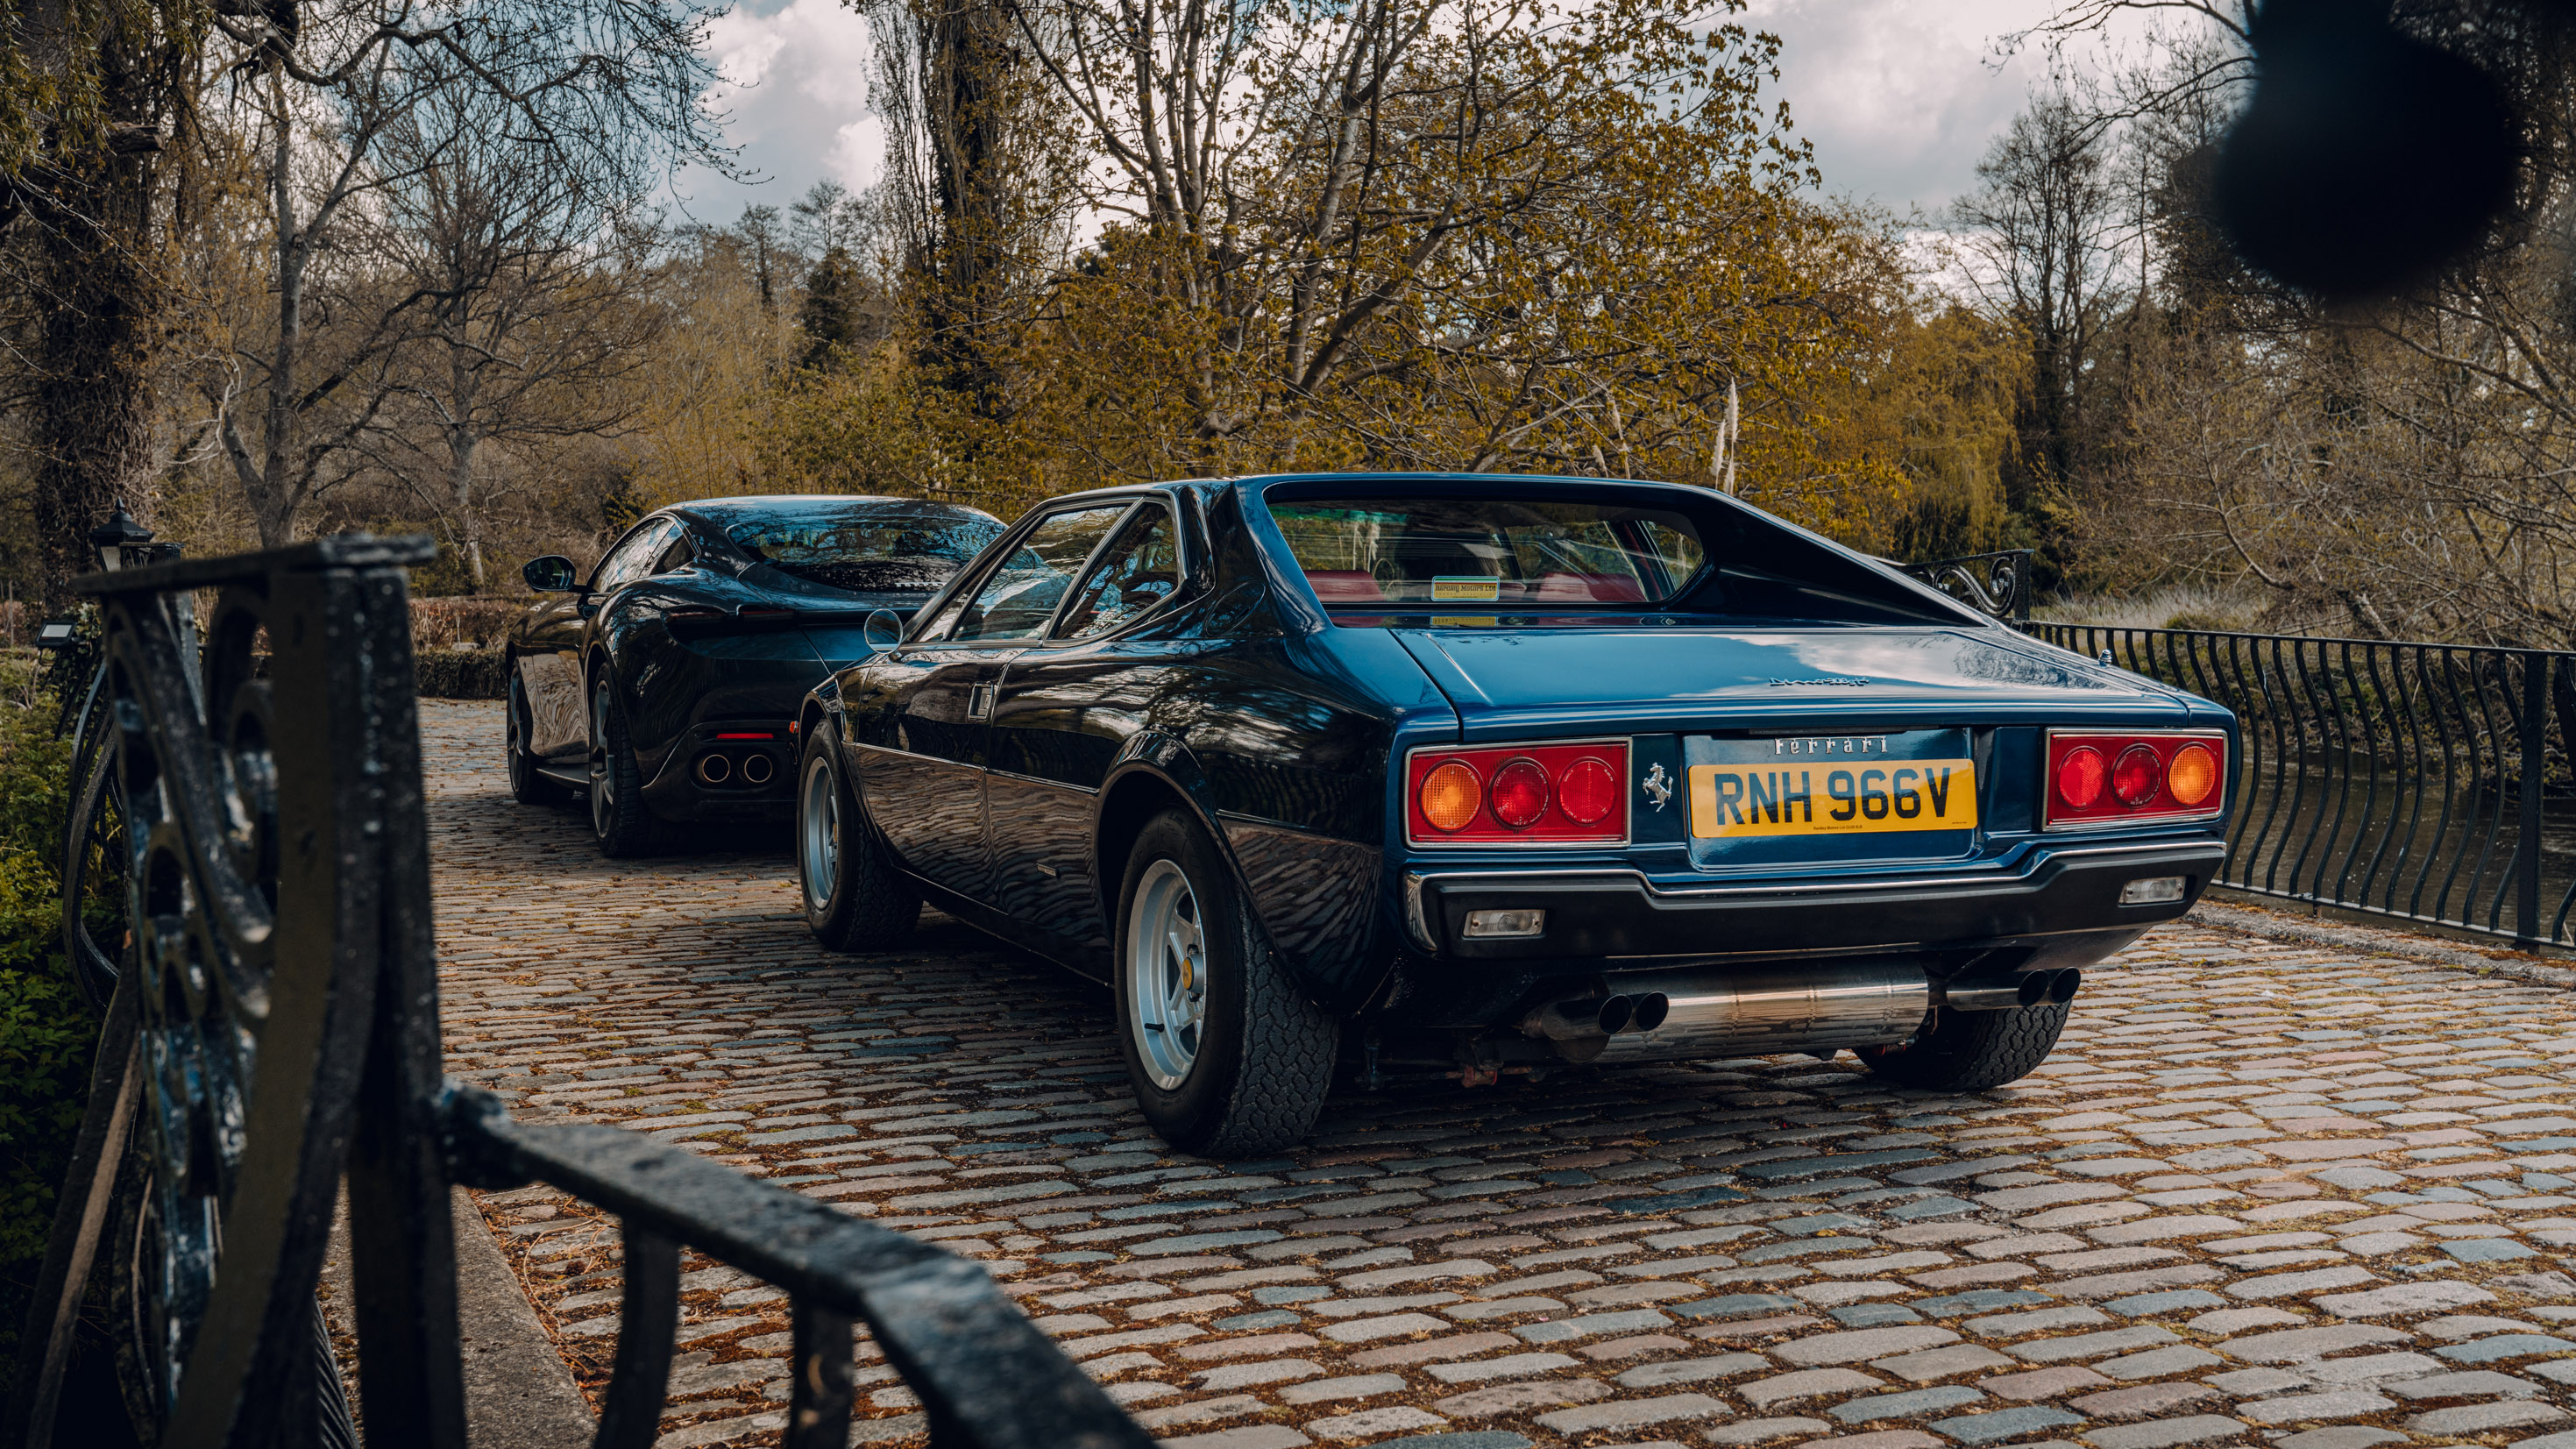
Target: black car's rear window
868,547
1452,552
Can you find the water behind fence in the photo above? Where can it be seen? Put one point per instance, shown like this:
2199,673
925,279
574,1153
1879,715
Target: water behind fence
2423,781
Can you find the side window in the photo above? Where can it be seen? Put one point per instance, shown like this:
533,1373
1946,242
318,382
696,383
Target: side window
1140,570
1017,601
633,557
677,556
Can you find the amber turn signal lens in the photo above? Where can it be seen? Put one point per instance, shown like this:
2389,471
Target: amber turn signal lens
2079,777
1586,792
2193,775
2137,776
1450,796
1520,793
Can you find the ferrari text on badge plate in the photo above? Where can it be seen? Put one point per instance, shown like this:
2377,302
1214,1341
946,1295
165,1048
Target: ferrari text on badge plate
1831,785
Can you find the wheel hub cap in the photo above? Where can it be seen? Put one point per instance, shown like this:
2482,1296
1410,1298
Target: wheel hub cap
1166,970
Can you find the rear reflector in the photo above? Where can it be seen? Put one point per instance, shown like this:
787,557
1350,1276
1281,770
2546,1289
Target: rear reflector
1507,923
2102,779
1536,794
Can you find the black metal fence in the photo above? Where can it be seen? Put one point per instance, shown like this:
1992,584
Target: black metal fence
274,1025
2425,782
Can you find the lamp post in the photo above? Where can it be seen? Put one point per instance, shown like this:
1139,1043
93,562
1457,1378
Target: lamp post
113,537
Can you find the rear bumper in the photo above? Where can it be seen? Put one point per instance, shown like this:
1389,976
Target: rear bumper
736,749
1604,919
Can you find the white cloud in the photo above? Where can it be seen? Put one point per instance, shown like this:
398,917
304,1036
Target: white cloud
1901,97
795,99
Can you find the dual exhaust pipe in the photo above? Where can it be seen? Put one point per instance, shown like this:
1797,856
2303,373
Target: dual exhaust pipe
1771,1010
2030,988
717,767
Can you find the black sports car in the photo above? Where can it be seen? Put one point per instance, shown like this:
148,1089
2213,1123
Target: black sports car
1496,774
666,686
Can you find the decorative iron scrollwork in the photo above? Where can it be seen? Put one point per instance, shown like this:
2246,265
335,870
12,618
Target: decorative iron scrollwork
1996,585
275,1022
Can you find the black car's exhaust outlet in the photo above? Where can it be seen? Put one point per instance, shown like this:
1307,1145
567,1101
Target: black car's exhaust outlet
756,769
1825,1006
714,768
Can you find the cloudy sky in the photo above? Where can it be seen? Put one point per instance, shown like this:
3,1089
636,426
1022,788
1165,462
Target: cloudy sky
1899,96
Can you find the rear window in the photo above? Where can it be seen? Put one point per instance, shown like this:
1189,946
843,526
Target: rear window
868,548
1508,553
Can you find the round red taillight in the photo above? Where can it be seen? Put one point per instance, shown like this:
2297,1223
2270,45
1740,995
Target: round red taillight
1586,792
1451,794
1519,793
2079,777
2193,775
2137,776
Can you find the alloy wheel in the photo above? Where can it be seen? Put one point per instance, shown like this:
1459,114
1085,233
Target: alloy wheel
818,820
1167,974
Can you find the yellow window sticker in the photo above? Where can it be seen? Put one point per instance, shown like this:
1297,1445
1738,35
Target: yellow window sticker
1466,588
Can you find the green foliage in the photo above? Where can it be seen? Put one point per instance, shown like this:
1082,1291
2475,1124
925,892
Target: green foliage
46,1034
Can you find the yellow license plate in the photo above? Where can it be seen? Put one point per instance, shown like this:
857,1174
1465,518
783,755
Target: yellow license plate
1882,796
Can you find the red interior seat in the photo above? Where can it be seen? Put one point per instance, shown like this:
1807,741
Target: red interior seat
1345,586
1570,588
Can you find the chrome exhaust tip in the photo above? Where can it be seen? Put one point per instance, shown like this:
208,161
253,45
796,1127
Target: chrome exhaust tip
714,769
2055,988
1650,1011
756,769
1614,1014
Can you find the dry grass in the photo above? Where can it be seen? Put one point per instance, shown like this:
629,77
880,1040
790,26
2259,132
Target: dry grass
2176,606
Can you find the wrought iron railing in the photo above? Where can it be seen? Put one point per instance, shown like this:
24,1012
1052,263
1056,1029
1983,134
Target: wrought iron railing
1997,585
2426,782
274,1025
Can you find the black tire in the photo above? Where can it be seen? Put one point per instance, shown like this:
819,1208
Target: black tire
1969,1051
527,786
1259,1054
855,899
625,825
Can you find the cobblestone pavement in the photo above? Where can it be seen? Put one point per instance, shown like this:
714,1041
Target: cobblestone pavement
2266,1192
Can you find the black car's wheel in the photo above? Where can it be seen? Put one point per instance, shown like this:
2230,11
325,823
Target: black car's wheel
1969,1051
855,900
527,786
1228,1057
625,825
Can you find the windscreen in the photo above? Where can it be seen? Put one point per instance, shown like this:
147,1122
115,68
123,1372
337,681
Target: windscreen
868,547
1505,552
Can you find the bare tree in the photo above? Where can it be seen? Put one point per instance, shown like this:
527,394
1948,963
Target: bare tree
523,284
604,90
2049,238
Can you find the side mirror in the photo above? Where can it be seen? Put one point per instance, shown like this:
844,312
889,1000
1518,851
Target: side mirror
552,574
883,631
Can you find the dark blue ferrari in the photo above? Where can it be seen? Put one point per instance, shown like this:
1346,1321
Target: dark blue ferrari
1495,775
664,687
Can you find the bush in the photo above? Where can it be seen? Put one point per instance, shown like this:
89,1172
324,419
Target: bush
460,674
46,1033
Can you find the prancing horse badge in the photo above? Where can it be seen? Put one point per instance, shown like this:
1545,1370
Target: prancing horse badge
1658,786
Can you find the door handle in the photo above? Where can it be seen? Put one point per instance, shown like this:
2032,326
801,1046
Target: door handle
979,702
